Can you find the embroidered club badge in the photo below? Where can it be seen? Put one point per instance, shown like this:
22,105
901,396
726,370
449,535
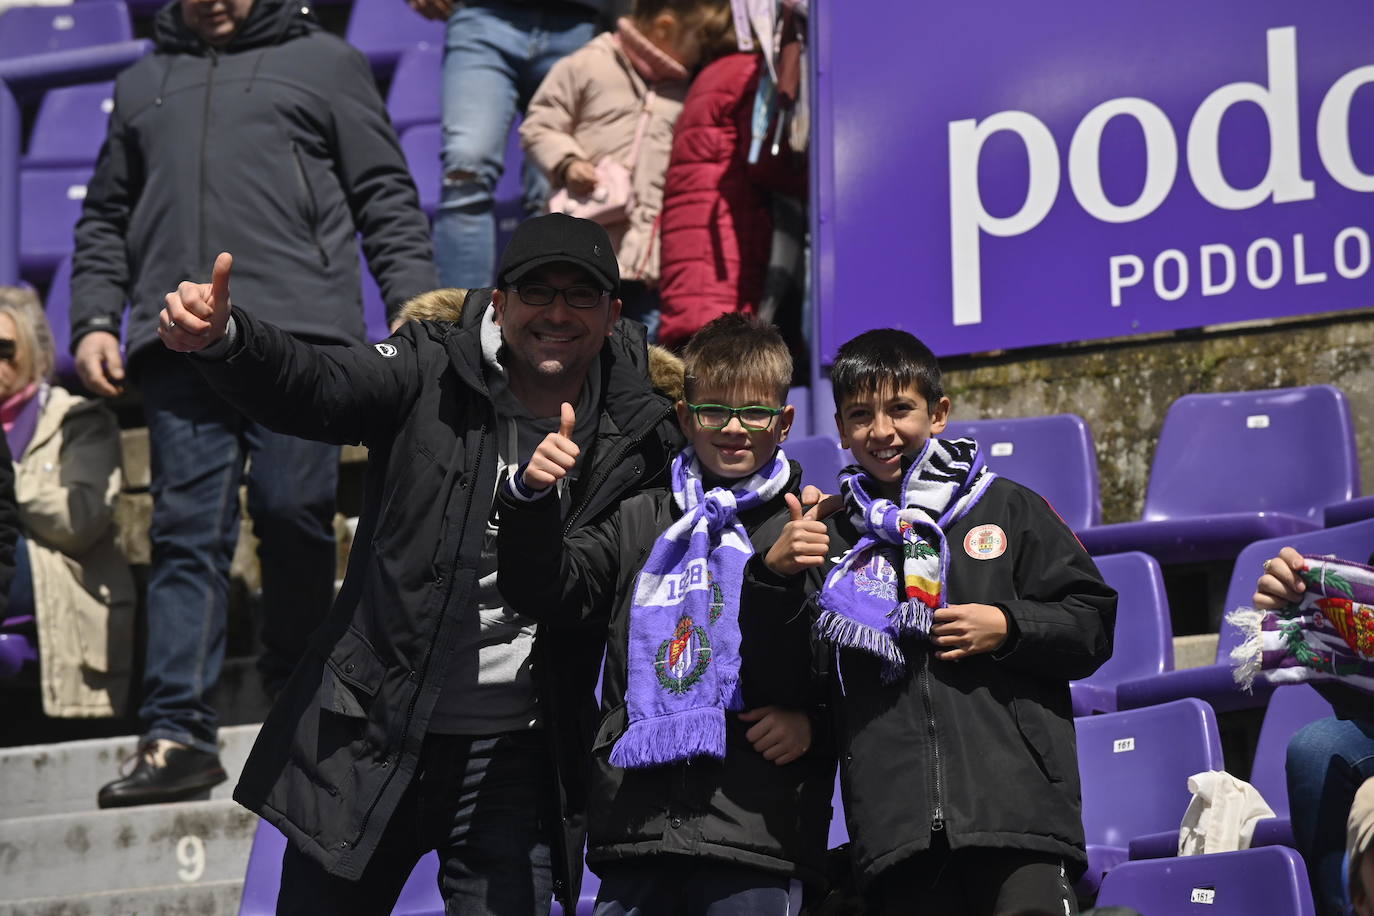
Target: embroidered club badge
986,542
684,657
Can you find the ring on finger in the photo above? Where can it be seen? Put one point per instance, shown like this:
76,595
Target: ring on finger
171,323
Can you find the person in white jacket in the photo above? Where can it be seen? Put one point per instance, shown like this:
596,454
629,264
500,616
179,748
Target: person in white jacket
70,573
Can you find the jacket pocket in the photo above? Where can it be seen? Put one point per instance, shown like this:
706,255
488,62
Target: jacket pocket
1033,721
310,204
353,675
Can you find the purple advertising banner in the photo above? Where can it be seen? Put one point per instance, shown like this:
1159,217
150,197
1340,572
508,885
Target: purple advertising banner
995,175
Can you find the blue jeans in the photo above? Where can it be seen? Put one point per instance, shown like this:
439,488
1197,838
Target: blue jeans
495,57
480,803
700,887
198,448
1327,762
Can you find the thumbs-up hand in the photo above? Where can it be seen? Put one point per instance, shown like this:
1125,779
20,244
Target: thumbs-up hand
555,456
803,541
196,314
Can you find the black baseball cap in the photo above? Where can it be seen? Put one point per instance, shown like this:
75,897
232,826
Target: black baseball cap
558,238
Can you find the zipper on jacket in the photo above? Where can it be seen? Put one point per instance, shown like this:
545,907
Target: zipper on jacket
937,813
204,144
429,652
606,468
313,211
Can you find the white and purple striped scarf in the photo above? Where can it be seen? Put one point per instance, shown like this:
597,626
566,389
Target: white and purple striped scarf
684,619
864,604
1327,636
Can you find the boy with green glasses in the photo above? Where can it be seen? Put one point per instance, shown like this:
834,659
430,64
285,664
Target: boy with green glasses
712,771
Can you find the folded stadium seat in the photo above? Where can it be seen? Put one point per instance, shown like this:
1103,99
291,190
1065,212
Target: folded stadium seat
70,126
50,203
421,145
419,897
1236,467
26,30
1134,768
383,30
1214,682
1143,643
414,95
821,459
1271,880
1052,455
58,309
1290,708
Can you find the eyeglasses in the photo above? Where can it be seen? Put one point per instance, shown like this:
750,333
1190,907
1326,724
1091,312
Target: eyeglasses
717,416
539,294
8,349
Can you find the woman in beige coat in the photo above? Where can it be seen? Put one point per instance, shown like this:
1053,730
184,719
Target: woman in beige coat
67,474
593,103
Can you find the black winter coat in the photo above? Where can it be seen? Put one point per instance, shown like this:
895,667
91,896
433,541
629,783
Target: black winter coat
277,148
746,810
982,748
343,740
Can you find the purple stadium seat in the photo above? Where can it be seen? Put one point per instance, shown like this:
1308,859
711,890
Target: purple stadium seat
1214,682
58,309
422,144
1237,467
1290,708
1052,455
26,30
1270,880
508,205
839,830
1135,767
419,897
70,126
1350,510
50,203
18,646
800,399
821,459
1143,643
414,96
382,30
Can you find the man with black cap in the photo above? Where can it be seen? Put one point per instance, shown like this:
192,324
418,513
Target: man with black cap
426,716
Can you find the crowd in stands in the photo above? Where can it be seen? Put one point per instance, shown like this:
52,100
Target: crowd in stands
547,483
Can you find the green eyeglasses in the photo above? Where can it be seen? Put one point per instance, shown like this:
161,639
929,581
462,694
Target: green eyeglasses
717,416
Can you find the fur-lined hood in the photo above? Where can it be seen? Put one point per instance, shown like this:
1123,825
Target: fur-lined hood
666,371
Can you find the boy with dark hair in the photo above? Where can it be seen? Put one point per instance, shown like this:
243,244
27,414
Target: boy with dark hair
710,790
956,617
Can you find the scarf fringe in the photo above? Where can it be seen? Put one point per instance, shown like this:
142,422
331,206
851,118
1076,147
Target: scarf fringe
848,633
913,616
674,738
1249,655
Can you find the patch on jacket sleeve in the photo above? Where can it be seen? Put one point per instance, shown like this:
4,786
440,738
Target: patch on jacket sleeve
387,350
986,542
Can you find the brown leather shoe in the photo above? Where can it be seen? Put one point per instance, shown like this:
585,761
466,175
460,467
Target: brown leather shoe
166,772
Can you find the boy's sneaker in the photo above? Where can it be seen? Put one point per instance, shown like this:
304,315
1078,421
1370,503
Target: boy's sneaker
166,771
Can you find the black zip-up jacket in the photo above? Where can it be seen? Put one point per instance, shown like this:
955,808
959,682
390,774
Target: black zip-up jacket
982,748
277,148
342,742
745,810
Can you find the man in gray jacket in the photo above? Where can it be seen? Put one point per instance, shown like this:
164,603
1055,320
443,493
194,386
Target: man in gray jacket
250,129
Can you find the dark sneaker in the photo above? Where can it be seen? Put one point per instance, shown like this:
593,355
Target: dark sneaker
165,772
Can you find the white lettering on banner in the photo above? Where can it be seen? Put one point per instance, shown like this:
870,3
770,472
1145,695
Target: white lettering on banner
1217,266
1172,272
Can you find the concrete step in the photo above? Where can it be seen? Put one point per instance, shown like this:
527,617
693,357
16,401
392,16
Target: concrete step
1195,651
155,846
53,779
209,898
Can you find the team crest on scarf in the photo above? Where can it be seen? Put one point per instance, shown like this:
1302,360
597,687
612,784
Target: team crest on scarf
1328,635
684,657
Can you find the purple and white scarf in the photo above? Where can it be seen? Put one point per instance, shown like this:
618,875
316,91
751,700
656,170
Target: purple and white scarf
684,619
863,603
1327,636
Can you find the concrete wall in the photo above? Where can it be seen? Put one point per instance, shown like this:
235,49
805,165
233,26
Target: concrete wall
1123,388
